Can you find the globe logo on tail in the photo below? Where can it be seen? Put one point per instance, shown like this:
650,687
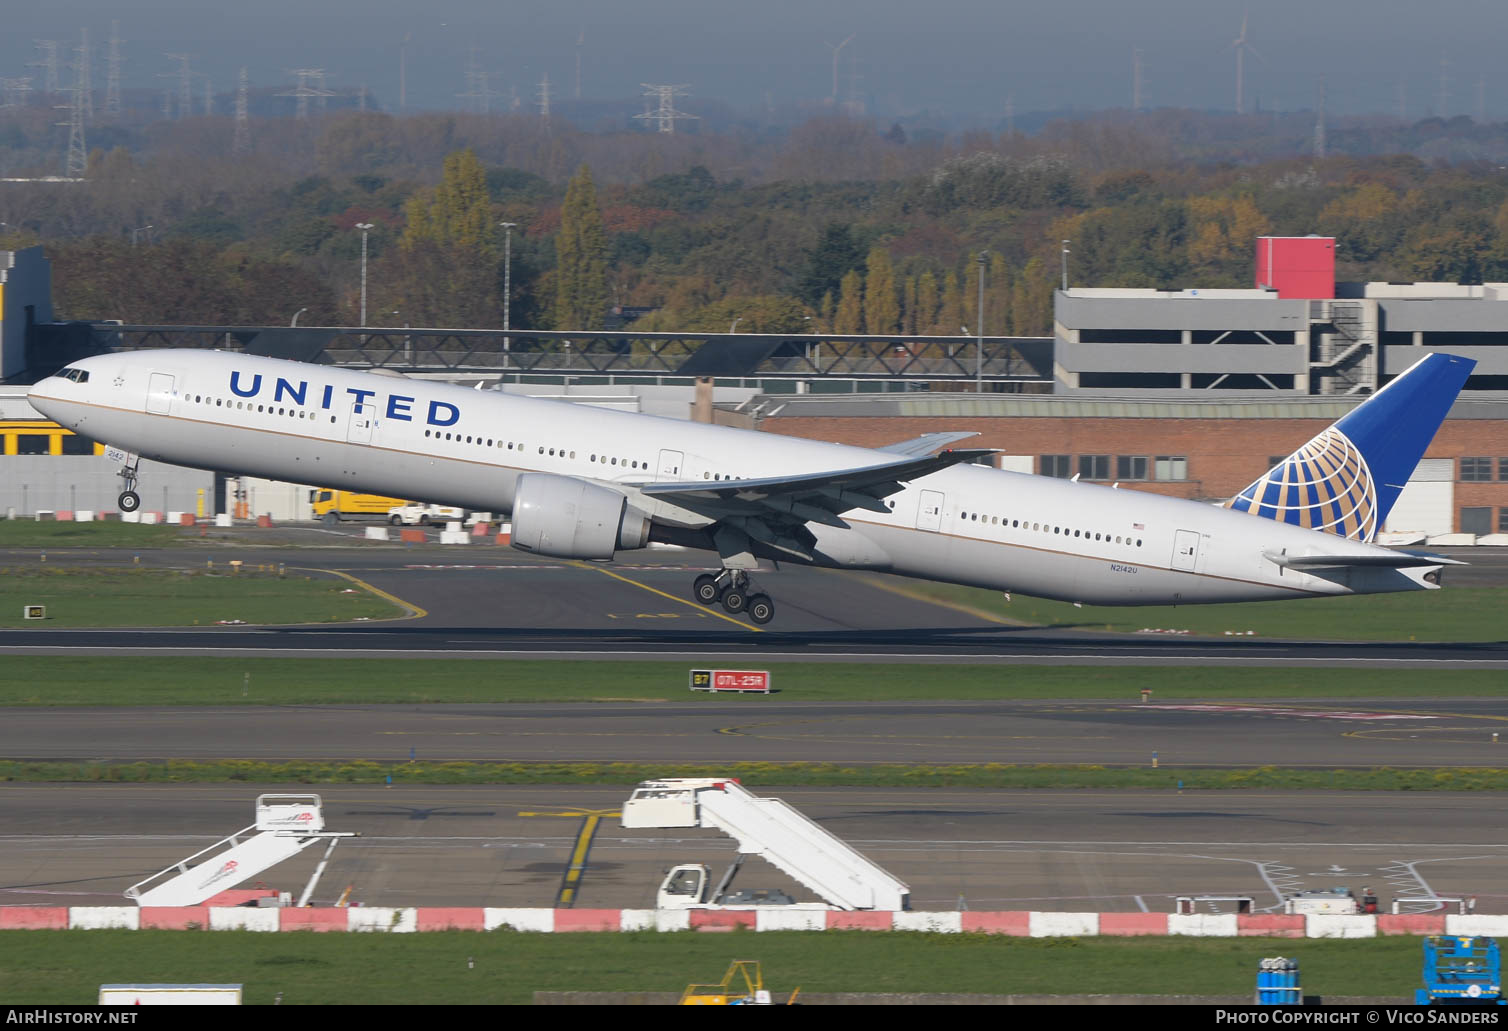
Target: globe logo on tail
1324,485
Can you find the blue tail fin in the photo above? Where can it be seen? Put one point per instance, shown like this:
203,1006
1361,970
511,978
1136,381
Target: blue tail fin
1345,480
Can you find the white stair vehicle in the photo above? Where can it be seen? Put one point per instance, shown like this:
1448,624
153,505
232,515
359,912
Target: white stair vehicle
765,827
285,826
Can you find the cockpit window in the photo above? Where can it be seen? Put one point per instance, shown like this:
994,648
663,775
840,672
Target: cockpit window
77,375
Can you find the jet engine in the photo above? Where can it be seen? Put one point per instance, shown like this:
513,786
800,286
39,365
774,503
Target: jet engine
564,517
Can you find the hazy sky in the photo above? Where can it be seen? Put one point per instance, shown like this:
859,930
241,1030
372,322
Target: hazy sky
961,58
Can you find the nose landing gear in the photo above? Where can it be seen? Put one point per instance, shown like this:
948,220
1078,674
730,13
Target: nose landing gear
730,588
129,500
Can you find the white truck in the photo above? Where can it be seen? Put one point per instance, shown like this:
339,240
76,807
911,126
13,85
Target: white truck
422,515
766,827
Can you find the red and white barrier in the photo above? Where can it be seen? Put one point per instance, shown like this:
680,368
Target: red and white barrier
1018,923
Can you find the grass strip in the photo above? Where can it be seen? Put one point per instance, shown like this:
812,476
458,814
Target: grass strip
130,596
764,774
29,533
136,680
67,967
1451,614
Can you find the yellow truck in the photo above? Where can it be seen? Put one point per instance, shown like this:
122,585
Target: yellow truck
331,506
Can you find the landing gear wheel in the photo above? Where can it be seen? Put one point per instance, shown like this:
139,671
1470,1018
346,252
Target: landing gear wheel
760,608
734,600
129,501
704,589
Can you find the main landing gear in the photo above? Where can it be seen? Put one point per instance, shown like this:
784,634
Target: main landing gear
730,588
129,500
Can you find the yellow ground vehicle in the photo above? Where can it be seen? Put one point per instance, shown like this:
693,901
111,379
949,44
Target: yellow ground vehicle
331,506
742,985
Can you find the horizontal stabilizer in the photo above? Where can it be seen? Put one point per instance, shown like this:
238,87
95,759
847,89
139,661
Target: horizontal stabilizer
927,443
1388,560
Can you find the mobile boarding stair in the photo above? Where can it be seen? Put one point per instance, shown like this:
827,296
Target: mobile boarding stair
769,828
285,826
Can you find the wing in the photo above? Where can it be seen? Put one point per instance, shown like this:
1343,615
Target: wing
927,443
774,510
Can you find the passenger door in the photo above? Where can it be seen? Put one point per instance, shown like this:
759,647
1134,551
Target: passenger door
670,466
929,510
1185,550
359,429
160,393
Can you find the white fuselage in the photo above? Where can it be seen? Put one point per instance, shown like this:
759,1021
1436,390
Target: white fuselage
413,438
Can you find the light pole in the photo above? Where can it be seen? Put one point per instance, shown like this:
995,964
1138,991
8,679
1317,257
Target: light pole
507,228
979,328
735,324
365,227
142,229
1065,265
294,322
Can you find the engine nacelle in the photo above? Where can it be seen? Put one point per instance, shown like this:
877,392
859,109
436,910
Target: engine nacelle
564,517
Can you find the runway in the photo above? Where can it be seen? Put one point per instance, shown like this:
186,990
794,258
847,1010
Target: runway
1051,850
1314,732
487,602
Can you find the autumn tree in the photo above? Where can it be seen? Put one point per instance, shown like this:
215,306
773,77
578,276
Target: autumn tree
924,319
849,318
448,267
882,313
581,297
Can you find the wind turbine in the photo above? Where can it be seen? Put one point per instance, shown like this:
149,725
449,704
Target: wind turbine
1240,46
836,51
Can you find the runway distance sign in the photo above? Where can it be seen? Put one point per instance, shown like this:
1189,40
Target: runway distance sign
740,681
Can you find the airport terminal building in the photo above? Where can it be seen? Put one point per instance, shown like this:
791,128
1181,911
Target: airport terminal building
1190,392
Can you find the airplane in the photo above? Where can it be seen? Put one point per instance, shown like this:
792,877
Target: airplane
587,483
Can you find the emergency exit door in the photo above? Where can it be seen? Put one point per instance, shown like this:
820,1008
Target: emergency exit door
160,393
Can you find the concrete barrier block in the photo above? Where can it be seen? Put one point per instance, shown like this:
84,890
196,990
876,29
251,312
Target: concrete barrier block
64,515
174,918
1132,924
867,920
454,537
722,919
588,920
947,923
504,539
451,918
1452,540
1494,925
223,519
1270,925
1017,923
1203,925
33,918
186,519
519,919
411,536
242,918
292,918
1064,925
131,517
778,919
264,521
377,533
94,918
1410,923
382,918
481,529
1337,925
454,526
150,518
83,515
654,920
